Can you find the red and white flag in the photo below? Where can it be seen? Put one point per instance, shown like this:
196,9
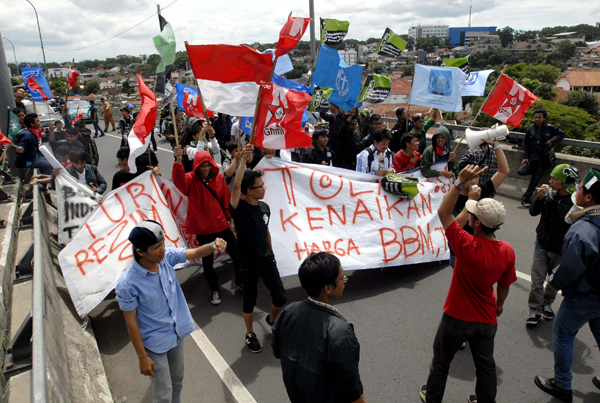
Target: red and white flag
72,78
78,117
139,136
290,34
229,76
509,102
4,139
279,119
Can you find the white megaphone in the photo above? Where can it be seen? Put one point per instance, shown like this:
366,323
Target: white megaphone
494,133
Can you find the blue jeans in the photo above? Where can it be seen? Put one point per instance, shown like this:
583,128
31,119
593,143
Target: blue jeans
168,374
572,315
96,128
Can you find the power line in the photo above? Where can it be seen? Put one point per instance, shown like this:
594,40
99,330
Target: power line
113,37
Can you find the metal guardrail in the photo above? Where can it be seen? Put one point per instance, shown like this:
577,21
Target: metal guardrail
513,135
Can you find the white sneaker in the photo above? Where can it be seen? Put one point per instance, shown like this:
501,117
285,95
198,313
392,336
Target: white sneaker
215,299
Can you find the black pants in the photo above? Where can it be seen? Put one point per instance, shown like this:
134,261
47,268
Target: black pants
537,170
254,268
450,335
207,261
153,140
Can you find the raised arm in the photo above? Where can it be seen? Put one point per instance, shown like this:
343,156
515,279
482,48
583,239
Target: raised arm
206,249
503,169
448,203
239,175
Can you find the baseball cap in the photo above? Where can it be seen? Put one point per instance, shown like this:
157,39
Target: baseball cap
130,105
146,234
490,212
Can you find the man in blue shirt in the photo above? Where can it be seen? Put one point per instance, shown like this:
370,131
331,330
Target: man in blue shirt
94,116
155,309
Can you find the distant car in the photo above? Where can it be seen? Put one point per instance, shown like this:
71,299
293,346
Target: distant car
85,110
45,113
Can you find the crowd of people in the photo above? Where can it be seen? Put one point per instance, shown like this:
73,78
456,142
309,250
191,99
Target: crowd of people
318,348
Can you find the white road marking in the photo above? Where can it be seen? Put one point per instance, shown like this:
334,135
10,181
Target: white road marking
524,276
230,379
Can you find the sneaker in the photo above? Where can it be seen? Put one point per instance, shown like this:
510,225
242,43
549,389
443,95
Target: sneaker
596,381
462,346
533,319
472,399
548,313
423,393
253,343
215,298
548,386
525,203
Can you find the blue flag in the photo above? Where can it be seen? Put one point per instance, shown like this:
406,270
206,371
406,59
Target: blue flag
187,101
475,84
247,124
332,72
438,87
36,83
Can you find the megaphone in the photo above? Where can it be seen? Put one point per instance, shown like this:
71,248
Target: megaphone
494,133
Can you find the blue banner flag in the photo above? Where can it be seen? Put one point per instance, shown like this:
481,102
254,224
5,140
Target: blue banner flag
438,87
247,124
332,72
475,84
36,83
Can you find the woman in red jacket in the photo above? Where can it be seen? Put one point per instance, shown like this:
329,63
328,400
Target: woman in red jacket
208,214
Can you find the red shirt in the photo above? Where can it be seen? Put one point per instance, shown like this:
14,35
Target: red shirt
402,162
480,263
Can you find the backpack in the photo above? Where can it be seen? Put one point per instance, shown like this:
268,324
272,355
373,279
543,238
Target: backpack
371,157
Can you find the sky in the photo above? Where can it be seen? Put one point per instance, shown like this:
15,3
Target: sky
70,27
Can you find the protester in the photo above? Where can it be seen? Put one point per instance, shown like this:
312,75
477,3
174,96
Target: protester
375,123
222,126
421,126
107,114
553,202
171,129
377,158
157,317
20,95
198,138
255,251
231,162
20,113
208,214
71,140
539,139
348,146
28,143
62,155
86,173
471,308
142,164
258,154
318,348
438,151
404,125
59,133
125,125
130,108
364,117
320,153
484,156
85,137
408,157
335,118
94,116
578,277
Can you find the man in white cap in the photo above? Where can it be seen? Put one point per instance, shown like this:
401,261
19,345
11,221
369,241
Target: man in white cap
155,309
471,308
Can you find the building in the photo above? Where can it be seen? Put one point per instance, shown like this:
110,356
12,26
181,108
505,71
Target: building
350,56
463,36
58,72
579,80
530,45
486,42
423,31
567,36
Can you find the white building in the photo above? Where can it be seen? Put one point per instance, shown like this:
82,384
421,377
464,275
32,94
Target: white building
423,31
350,56
58,72
486,42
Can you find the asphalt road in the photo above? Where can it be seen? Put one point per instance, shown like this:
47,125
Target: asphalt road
395,312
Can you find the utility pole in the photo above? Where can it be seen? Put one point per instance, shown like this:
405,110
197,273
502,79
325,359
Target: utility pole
40,31
313,45
470,8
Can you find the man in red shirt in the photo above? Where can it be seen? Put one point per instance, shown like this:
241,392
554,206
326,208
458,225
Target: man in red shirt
471,307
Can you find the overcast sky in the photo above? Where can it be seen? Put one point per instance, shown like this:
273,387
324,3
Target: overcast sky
68,25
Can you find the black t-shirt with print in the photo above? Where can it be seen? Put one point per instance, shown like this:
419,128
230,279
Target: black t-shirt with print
252,226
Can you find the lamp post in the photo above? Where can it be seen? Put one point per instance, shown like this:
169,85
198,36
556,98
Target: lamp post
15,53
313,46
40,31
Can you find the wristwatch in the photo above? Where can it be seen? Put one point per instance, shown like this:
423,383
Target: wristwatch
459,185
212,244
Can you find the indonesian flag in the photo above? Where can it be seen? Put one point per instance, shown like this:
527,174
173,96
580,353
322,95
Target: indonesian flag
139,137
229,76
4,139
290,34
279,119
509,102
72,78
79,115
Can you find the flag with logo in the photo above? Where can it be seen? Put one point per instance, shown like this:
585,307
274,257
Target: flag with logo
36,83
462,63
376,89
509,102
280,115
290,34
139,136
475,84
319,101
333,31
345,81
229,76
188,101
72,78
390,44
78,117
438,87
165,44
247,124
13,126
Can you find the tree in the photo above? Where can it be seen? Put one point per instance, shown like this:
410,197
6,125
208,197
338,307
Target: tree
127,89
91,87
59,86
506,35
544,73
181,59
583,100
574,121
15,81
545,91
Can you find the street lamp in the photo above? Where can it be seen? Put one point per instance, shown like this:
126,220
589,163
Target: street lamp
40,31
15,53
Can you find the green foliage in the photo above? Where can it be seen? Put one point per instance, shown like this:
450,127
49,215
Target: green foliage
584,100
544,73
15,81
14,71
429,44
91,87
180,60
507,35
574,121
59,86
545,91
591,32
147,70
127,89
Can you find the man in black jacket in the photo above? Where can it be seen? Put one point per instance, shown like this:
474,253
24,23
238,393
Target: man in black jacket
318,349
336,120
319,153
553,202
348,146
539,139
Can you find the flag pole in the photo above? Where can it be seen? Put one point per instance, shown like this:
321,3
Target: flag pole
260,90
174,123
200,93
482,105
239,137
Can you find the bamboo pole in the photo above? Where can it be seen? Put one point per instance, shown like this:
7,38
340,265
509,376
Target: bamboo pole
260,90
174,121
239,136
482,105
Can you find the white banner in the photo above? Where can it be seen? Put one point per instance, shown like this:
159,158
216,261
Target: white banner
76,203
319,208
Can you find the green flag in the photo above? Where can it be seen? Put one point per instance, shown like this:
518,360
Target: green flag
333,31
462,63
165,44
319,101
376,89
13,126
391,44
